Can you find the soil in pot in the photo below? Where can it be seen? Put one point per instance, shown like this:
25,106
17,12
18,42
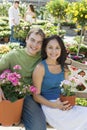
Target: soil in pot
80,87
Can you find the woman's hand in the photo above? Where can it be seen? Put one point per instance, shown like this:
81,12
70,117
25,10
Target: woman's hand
63,105
2,97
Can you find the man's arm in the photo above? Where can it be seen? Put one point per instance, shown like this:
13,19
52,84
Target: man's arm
2,97
76,64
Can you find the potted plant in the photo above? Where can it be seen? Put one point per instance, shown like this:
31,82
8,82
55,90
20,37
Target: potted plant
73,53
77,81
77,11
6,35
66,93
83,50
57,9
21,31
14,90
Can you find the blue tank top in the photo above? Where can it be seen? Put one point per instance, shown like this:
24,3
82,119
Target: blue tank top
51,83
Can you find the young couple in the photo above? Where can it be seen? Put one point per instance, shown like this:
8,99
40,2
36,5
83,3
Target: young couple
28,57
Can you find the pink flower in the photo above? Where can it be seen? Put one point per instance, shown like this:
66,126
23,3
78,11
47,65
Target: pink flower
86,62
74,79
17,67
33,89
74,68
13,79
17,75
13,84
4,74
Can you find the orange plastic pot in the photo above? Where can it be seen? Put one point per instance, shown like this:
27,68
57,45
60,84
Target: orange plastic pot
10,112
70,99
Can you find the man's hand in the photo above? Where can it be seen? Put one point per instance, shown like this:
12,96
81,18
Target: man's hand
2,97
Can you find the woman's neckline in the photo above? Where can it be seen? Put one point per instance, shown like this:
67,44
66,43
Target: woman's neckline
51,64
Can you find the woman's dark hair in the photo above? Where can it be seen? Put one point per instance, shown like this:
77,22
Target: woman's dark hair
31,7
62,58
16,1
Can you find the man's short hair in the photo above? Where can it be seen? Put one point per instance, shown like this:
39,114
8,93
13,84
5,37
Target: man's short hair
16,1
36,31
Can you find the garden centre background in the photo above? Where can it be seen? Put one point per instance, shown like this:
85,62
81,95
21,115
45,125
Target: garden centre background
48,20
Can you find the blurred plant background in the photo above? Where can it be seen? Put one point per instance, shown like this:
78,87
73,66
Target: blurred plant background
62,17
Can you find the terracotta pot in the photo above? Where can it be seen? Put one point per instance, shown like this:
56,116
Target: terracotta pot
82,73
10,112
71,99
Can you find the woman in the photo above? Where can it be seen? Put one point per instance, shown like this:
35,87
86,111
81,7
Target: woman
30,15
47,77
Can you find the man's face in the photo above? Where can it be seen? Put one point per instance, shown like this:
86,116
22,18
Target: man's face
16,5
33,43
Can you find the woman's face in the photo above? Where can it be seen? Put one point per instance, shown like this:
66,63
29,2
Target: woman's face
34,43
53,49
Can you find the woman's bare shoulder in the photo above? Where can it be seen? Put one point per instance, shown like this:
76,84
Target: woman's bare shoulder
39,67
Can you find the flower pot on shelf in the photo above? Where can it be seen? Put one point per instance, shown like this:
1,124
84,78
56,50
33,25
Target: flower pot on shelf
10,112
82,73
6,39
80,87
76,57
71,99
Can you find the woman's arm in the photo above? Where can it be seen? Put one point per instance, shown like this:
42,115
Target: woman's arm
66,72
38,75
76,64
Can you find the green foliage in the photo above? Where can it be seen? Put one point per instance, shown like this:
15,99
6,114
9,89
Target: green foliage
6,33
41,12
4,8
49,29
57,8
65,87
83,48
22,9
10,93
4,27
81,101
14,46
78,12
73,49
21,30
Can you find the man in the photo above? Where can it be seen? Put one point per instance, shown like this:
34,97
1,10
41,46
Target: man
14,18
28,57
